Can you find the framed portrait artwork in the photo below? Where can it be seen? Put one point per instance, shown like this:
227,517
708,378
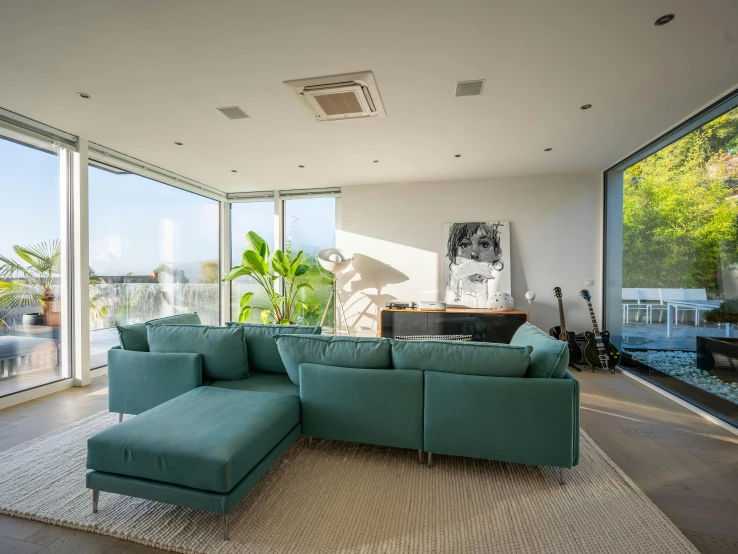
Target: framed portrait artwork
476,263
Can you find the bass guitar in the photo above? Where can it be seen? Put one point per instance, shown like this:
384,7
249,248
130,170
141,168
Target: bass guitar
560,332
599,352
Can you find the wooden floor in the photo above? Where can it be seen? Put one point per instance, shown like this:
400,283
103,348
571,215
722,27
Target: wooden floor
685,464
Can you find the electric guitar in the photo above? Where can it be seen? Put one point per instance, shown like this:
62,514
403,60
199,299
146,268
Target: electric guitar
560,332
599,352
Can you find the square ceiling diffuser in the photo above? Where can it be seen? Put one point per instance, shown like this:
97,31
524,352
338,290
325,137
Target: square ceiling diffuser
233,112
469,88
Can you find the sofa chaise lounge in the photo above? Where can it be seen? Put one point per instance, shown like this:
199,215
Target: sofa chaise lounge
212,424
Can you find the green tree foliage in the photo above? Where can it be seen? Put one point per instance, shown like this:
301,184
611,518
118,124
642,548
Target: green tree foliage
680,214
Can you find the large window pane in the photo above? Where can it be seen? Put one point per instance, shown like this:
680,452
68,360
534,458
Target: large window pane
675,215
310,226
31,322
153,253
245,217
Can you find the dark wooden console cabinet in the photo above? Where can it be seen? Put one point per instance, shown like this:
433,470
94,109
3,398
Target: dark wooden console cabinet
482,325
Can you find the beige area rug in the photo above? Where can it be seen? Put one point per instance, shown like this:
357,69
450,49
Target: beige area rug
345,498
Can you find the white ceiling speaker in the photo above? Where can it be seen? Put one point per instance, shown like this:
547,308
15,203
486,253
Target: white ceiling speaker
333,259
337,97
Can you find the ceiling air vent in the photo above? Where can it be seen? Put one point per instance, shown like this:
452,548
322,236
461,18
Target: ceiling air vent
233,112
349,96
469,88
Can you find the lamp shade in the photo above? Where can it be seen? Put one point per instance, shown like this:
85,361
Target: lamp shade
333,259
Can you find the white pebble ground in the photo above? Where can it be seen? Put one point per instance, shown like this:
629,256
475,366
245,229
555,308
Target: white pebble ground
683,366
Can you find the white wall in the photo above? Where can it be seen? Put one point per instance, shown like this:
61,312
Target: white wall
395,232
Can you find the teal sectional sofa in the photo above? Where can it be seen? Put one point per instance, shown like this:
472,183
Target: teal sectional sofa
217,406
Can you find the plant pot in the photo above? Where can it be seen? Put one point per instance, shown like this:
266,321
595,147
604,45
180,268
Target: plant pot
53,319
32,320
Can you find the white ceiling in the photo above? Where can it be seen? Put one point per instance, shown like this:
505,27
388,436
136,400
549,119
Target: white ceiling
157,71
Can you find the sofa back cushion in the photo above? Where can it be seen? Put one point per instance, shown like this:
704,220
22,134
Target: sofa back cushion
133,337
356,352
469,358
262,348
223,349
550,357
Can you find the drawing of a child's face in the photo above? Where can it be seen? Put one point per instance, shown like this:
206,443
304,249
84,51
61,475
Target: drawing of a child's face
480,247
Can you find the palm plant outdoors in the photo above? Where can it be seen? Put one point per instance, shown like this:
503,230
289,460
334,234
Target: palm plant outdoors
267,269
23,286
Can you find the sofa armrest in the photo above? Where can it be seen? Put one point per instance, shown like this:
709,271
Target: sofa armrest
373,406
519,420
139,381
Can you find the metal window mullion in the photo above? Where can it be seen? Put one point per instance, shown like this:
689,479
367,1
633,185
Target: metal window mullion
66,263
225,262
27,127
80,266
132,165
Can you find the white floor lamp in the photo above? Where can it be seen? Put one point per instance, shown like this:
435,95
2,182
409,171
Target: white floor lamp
334,261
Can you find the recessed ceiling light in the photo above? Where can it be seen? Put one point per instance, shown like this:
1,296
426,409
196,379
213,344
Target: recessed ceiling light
457,156
585,107
234,171
664,19
547,149
83,95
300,166
376,161
179,143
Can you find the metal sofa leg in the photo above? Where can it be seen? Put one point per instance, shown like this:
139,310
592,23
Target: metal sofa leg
430,459
310,442
225,527
562,478
95,498
420,455
120,417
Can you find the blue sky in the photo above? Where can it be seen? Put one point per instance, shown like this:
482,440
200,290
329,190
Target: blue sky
137,223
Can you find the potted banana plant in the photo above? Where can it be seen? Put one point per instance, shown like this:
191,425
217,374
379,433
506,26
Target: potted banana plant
267,269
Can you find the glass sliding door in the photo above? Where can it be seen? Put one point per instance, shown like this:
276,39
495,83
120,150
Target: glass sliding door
154,252
246,217
32,321
310,226
672,263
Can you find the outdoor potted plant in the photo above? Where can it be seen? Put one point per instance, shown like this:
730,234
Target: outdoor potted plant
23,286
266,270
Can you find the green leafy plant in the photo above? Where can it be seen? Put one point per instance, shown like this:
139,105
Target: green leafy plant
727,312
30,282
23,286
267,269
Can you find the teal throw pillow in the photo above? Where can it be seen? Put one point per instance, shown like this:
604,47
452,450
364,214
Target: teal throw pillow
356,352
133,337
223,349
550,356
261,347
469,358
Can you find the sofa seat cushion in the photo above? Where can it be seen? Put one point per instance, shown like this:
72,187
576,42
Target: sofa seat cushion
469,358
223,349
261,347
357,352
134,337
264,382
550,356
206,439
